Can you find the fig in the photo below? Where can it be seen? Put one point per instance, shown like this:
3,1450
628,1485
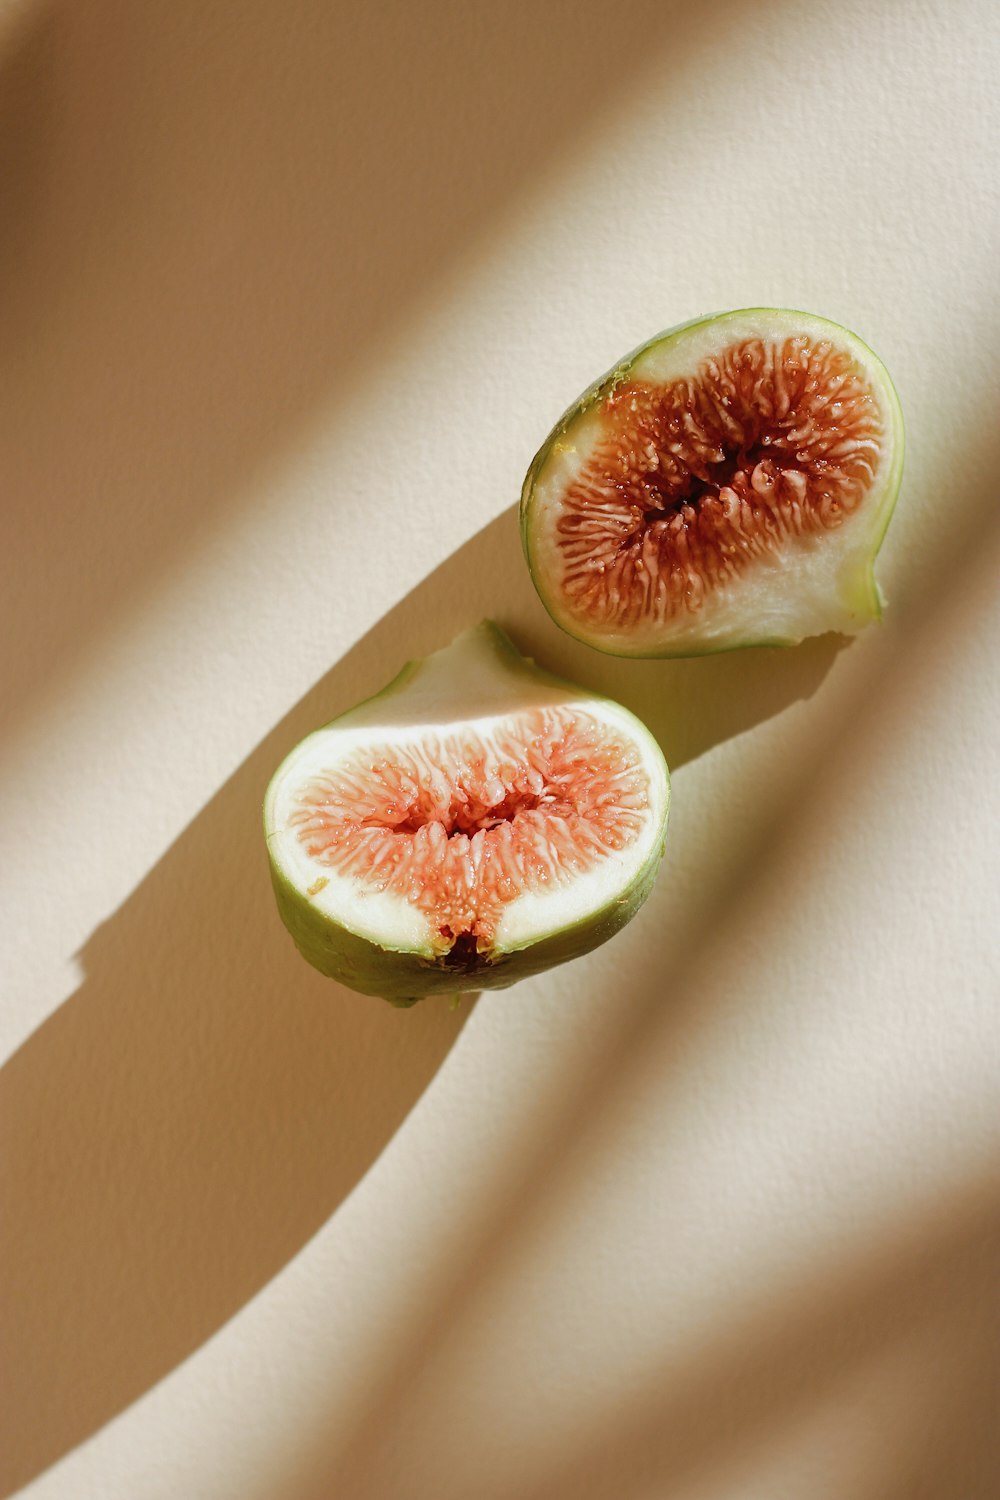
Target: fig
476,822
727,484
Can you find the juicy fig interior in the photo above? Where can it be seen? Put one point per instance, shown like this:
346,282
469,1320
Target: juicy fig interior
462,824
696,479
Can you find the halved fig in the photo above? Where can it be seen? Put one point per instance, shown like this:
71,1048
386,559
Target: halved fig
727,484
476,822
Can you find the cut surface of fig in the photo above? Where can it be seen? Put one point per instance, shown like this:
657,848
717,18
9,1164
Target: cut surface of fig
728,484
477,821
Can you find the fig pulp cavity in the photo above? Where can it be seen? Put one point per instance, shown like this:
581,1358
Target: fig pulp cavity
476,822
728,484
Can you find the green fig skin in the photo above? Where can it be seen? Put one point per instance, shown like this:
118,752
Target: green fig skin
867,599
403,976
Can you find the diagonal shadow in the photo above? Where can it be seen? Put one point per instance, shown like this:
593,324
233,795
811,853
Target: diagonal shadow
955,1448
180,1128
357,1467
709,1410
212,218
690,705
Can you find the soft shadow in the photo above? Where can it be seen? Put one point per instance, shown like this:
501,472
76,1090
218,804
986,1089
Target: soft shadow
179,1129
689,705
363,1465
214,218
927,1290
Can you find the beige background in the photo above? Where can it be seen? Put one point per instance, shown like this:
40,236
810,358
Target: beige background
289,293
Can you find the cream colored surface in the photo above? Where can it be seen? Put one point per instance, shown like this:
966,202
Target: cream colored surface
288,297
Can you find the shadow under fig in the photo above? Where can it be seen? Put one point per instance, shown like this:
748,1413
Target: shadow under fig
181,1127
721,697
690,705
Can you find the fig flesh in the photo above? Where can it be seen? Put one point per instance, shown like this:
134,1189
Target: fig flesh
476,822
727,484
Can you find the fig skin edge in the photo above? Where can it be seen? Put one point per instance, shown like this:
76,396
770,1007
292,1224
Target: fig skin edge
619,373
402,976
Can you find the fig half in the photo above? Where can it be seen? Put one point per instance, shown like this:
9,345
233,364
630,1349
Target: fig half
476,822
727,484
